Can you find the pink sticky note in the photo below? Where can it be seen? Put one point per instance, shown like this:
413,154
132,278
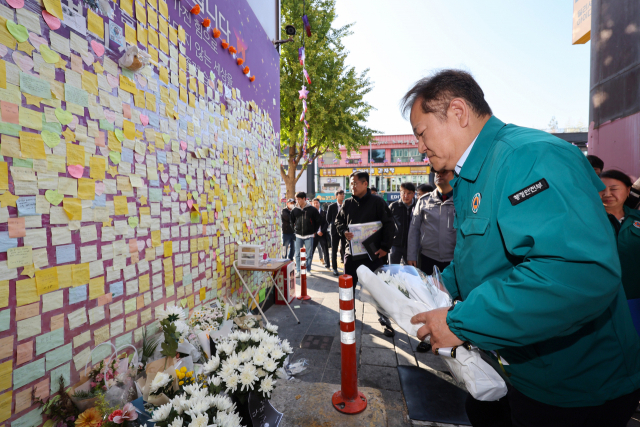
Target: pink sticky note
148,243
113,81
183,145
109,115
36,40
126,111
16,4
133,245
97,48
141,80
144,119
141,244
52,21
3,50
76,171
10,112
74,122
88,58
99,188
105,299
190,203
23,61
17,227
99,140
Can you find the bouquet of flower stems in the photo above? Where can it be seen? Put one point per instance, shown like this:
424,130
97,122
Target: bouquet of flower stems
400,292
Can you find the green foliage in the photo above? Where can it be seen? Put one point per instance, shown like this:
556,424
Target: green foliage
149,346
59,409
170,344
337,111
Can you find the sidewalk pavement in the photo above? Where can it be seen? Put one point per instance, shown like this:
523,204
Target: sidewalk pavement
378,358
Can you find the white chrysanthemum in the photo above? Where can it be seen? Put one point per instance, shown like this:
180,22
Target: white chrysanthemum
198,407
233,361
232,382
247,378
161,413
244,336
161,379
259,359
211,365
271,328
238,306
181,327
172,313
227,420
223,403
233,335
277,353
227,347
190,389
270,365
269,347
286,347
180,404
215,381
200,421
261,373
177,422
266,386
227,370
245,356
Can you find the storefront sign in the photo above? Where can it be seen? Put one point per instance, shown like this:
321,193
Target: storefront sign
379,171
392,197
581,21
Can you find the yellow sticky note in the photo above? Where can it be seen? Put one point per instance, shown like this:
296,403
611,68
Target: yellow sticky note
20,256
143,283
47,280
127,6
90,82
75,154
173,35
3,73
4,293
141,13
29,118
98,168
130,35
6,369
86,189
142,35
26,292
5,405
129,130
80,274
95,24
4,176
96,287
203,294
155,238
73,208
182,62
168,249
164,44
181,34
128,85
54,7
65,274
162,8
120,205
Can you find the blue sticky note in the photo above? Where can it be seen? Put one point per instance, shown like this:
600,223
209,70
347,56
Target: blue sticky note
127,155
182,124
26,206
162,156
77,294
155,194
5,319
154,120
183,182
186,279
7,242
116,289
100,201
65,253
154,183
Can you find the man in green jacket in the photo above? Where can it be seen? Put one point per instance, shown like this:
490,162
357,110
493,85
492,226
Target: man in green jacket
535,269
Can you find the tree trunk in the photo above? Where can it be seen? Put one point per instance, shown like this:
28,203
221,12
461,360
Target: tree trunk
289,176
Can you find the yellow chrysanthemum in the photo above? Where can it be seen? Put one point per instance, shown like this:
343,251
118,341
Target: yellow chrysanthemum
183,369
89,418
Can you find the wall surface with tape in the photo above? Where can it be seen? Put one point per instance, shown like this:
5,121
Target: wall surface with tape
121,192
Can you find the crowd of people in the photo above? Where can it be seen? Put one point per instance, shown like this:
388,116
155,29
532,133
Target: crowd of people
539,248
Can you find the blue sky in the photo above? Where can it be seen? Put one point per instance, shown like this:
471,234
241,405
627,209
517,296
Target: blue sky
519,51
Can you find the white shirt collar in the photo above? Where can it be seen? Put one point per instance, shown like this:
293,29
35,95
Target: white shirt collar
464,157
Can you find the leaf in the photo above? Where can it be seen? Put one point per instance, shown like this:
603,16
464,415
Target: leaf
170,344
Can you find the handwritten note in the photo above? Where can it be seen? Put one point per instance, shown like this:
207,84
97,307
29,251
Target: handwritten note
21,256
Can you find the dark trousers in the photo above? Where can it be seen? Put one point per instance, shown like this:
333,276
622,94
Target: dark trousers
518,410
351,265
427,264
397,254
322,241
289,242
335,241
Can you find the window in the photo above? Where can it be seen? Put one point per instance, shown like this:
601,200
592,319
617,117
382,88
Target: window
402,155
328,157
377,156
353,161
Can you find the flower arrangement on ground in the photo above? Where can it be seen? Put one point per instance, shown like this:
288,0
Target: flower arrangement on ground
206,319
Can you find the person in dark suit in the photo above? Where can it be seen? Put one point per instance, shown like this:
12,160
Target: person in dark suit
320,238
336,239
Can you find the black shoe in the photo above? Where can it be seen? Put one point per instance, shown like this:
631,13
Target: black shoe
335,272
423,347
327,266
389,332
382,321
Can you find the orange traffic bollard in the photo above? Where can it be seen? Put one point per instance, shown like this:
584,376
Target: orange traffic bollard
303,274
348,400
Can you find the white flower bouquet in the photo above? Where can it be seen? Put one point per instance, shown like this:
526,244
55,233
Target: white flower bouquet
206,319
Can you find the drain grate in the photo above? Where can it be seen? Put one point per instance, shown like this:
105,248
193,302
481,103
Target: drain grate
316,342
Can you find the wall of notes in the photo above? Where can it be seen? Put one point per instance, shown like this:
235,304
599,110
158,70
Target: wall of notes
121,192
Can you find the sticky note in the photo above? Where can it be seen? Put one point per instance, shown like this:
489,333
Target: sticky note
73,208
26,292
95,24
21,256
17,227
47,280
96,287
65,253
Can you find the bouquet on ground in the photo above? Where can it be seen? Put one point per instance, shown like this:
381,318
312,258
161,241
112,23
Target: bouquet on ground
400,292
246,362
99,379
206,319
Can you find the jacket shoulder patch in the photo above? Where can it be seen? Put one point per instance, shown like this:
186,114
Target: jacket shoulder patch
528,192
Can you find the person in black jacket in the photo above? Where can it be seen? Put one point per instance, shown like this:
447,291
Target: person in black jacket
288,236
361,208
336,239
320,237
402,211
305,220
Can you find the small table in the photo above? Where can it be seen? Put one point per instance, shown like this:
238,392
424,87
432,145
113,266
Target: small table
274,268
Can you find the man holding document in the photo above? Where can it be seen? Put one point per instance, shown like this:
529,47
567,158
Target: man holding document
359,212
535,268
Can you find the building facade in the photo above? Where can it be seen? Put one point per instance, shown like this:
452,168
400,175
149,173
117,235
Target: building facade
390,161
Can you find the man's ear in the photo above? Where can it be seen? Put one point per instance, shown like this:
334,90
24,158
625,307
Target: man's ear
460,110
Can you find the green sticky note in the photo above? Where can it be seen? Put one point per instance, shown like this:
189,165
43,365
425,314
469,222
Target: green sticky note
183,302
106,125
100,353
133,221
23,163
76,96
129,305
49,341
127,73
59,356
65,372
53,127
177,187
152,328
262,294
123,340
31,419
10,129
115,157
52,139
5,320
19,32
28,373
35,86
119,134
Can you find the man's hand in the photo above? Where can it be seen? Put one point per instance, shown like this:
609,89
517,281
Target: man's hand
415,264
435,324
381,253
319,233
348,235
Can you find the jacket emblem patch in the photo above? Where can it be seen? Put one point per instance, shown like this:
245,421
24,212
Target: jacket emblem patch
636,224
528,192
475,202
